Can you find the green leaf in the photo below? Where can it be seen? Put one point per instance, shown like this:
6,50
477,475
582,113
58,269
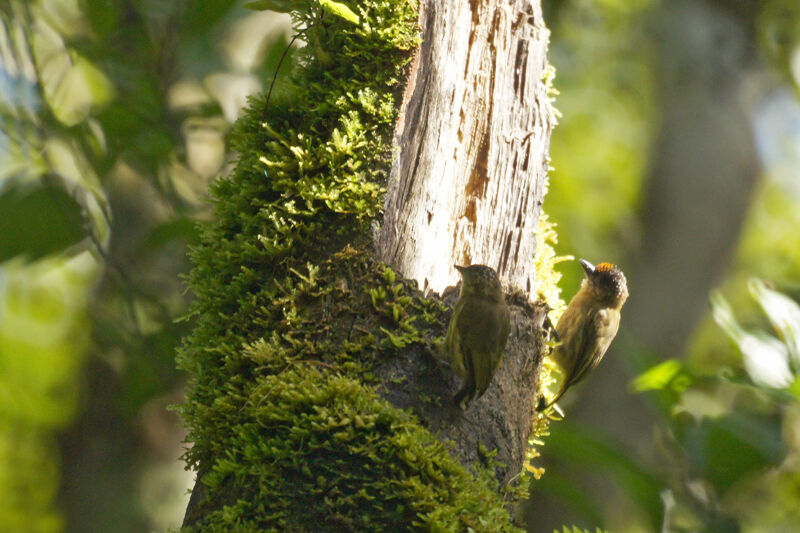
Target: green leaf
657,377
340,10
38,220
281,6
585,449
734,447
199,17
397,341
176,229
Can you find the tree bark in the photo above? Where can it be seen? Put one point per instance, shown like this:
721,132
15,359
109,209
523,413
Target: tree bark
470,174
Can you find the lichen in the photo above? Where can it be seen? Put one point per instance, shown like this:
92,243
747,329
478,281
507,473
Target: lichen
287,423
548,291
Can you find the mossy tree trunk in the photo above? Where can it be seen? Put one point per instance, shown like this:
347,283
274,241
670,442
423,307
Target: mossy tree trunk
316,400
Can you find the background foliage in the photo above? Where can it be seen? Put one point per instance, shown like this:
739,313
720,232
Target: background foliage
703,438
115,117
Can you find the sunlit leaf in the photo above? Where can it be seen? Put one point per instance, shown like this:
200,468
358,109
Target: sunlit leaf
340,10
657,377
44,334
783,314
765,358
72,85
794,389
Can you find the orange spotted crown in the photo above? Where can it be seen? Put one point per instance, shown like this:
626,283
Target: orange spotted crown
605,267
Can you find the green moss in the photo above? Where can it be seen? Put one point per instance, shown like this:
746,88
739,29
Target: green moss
292,314
314,447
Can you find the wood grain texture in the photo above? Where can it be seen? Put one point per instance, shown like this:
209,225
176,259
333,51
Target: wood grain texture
470,168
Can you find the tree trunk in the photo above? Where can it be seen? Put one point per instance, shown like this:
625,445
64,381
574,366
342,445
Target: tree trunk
310,425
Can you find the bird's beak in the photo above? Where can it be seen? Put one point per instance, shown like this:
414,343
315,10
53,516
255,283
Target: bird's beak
460,268
587,267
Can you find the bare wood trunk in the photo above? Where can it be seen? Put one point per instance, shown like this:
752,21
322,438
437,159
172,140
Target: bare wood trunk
470,174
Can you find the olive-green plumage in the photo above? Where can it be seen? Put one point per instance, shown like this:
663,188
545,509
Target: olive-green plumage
590,322
478,331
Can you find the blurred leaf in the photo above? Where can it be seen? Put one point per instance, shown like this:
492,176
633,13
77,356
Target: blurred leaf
281,6
783,314
340,10
794,389
43,339
576,529
102,15
766,359
37,221
700,404
285,6
30,470
174,229
72,85
728,449
607,98
578,447
657,377
199,17
778,27
143,142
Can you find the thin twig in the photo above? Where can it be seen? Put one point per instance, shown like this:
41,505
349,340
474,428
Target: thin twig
280,62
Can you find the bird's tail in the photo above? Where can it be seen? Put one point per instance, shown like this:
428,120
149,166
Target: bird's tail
541,407
468,389
466,394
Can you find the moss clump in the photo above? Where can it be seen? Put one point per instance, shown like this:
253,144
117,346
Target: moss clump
292,315
317,450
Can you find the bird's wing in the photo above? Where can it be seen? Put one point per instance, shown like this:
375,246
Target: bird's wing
483,339
589,342
453,343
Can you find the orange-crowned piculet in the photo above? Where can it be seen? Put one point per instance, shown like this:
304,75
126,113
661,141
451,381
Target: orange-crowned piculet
590,323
